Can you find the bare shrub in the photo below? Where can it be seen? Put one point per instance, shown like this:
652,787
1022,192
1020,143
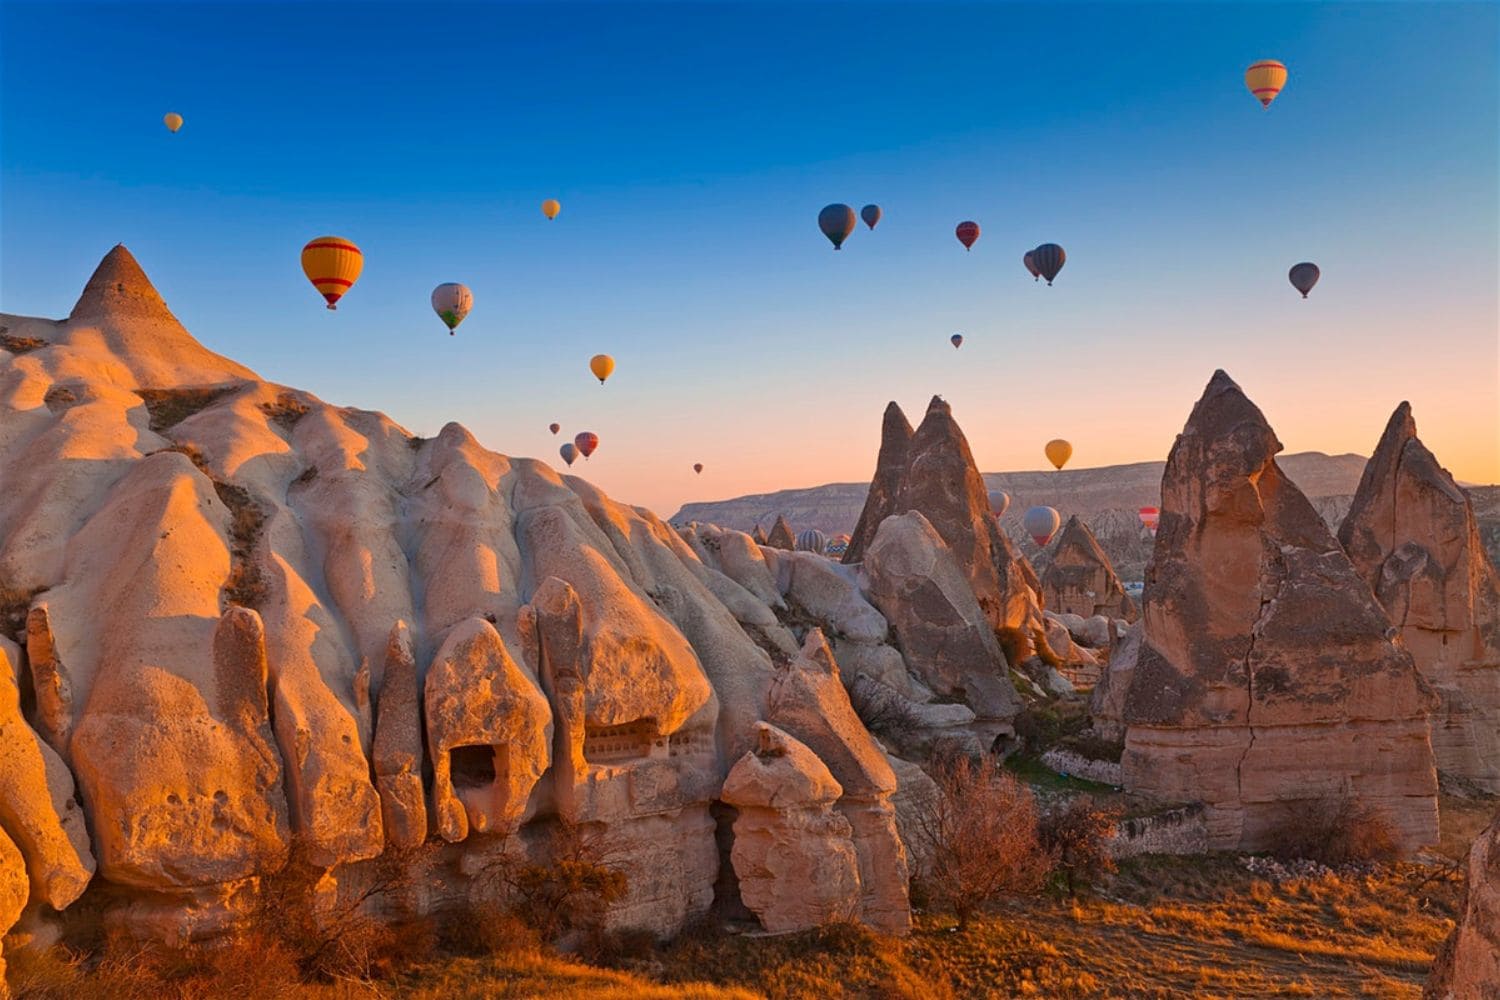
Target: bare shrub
15,604
568,893
884,712
1076,834
1335,831
169,407
981,836
285,411
20,345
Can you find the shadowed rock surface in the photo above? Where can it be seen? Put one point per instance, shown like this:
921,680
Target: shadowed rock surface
1468,966
1267,679
1079,579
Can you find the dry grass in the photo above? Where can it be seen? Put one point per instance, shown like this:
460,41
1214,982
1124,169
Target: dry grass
170,407
19,345
286,411
14,605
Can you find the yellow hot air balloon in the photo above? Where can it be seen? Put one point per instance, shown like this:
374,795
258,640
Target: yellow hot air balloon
602,365
1058,452
173,121
332,264
551,207
1265,80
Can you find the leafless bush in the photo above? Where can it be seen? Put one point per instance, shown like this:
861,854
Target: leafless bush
1335,831
567,893
981,836
286,411
884,712
169,407
1076,835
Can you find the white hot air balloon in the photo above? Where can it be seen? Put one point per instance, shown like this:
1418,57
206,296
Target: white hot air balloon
1041,524
452,302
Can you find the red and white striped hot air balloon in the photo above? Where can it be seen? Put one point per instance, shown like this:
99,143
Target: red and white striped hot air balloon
1150,517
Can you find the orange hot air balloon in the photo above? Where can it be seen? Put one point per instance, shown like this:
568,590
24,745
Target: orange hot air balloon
1058,452
1265,80
551,207
586,442
967,233
173,121
602,365
332,264
554,428
698,468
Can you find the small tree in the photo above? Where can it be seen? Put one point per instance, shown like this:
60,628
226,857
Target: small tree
981,835
1077,835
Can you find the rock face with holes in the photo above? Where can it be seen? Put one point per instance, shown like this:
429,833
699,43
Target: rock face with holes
1268,680
1468,965
793,851
1080,580
250,629
1412,536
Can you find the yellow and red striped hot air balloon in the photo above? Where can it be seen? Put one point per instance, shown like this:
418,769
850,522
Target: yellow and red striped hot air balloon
332,264
1265,80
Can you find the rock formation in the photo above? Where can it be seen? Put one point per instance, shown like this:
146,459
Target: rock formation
256,624
1268,679
1080,581
781,536
792,851
1468,965
1107,700
931,470
1412,535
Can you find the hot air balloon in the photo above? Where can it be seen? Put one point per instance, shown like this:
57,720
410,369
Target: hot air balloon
1303,276
602,365
967,233
1049,259
172,120
1041,524
332,264
554,428
1150,517
1058,452
1030,262
1265,80
569,452
837,222
812,540
698,468
551,207
871,214
957,340
586,441
452,302
999,502
837,546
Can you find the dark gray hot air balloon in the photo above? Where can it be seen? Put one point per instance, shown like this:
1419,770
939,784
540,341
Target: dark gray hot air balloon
871,214
837,222
569,452
1303,276
1049,259
812,540
1030,263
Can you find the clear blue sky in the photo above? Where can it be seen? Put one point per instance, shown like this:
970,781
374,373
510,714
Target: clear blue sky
692,145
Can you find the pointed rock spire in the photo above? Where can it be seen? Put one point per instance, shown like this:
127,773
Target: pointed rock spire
890,471
1080,579
120,289
781,536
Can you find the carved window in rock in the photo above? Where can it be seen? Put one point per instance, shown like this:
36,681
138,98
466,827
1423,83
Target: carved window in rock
690,742
476,765
616,744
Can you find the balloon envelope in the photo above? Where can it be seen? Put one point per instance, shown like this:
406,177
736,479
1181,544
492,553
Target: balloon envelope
967,233
1303,276
812,540
602,365
1265,80
586,441
837,222
1058,452
957,340
1041,524
999,502
1150,517
332,264
554,428
1049,258
1030,261
551,207
871,214
698,467
452,302
173,121
569,452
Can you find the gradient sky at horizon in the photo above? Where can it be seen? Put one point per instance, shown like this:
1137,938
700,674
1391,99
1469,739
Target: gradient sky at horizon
692,146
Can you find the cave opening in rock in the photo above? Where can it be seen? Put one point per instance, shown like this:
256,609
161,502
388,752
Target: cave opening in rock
472,766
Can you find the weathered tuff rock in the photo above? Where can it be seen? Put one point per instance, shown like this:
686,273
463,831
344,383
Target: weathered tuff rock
932,471
1266,679
1080,580
809,702
945,637
1107,701
1412,536
1468,965
792,850
781,536
238,600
